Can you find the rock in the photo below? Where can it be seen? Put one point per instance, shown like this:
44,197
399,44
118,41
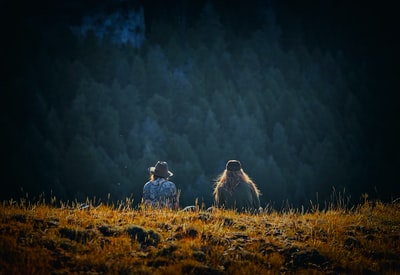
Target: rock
267,225
189,232
164,226
352,242
167,250
239,235
19,218
369,237
76,234
145,238
66,245
109,231
199,256
308,257
228,222
241,227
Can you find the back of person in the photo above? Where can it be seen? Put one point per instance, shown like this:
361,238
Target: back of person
159,191
235,190
241,198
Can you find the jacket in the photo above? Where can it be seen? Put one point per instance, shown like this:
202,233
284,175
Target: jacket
160,193
242,198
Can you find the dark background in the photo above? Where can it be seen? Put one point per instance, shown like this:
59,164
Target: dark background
304,93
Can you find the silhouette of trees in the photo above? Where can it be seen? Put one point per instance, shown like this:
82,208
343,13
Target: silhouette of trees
195,97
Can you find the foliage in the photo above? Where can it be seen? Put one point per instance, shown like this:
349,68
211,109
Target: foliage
101,114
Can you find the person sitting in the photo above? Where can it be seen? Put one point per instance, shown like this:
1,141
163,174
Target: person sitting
235,190
159,191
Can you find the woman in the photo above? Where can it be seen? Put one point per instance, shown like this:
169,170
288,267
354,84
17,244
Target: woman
235,190
159,191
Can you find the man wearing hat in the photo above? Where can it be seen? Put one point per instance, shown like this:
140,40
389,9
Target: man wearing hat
235,190
159,191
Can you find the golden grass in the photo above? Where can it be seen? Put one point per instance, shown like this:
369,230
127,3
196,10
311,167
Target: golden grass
42,238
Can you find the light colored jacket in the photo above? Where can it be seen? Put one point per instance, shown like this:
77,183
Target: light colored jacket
160,193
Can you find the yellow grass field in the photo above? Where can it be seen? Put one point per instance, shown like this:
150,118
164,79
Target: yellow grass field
42,238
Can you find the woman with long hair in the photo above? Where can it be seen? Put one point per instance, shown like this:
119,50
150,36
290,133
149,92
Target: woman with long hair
234,189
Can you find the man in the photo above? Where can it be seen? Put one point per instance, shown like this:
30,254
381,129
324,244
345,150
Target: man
159,192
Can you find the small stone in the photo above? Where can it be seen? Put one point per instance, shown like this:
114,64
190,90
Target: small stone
199,256
352,242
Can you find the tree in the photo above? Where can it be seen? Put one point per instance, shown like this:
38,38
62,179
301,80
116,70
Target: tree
156,70
275,185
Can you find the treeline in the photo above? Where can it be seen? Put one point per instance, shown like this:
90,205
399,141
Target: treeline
97,115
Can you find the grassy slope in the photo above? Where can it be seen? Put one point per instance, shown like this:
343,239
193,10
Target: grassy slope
44,239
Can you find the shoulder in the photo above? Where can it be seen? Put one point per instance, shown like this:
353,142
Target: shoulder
219,188
149,184
168,183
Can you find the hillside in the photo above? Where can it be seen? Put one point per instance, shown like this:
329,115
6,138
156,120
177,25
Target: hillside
90,238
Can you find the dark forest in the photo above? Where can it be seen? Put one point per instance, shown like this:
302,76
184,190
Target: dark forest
302,94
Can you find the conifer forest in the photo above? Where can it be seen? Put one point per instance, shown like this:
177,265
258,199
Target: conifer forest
301,94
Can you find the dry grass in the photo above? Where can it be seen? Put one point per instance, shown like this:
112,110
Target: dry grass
42,238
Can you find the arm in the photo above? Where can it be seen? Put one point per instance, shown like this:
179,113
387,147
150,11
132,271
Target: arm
171,195
146,194
174,197
256,200
221,197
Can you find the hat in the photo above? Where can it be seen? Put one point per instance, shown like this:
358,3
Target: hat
161,170
233,165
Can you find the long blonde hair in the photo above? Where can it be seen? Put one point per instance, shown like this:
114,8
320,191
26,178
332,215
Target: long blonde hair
230,179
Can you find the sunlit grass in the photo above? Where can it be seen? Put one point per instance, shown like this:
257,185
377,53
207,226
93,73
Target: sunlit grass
57,237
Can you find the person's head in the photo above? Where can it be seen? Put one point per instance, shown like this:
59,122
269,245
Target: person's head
233,165
160,170
232,176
